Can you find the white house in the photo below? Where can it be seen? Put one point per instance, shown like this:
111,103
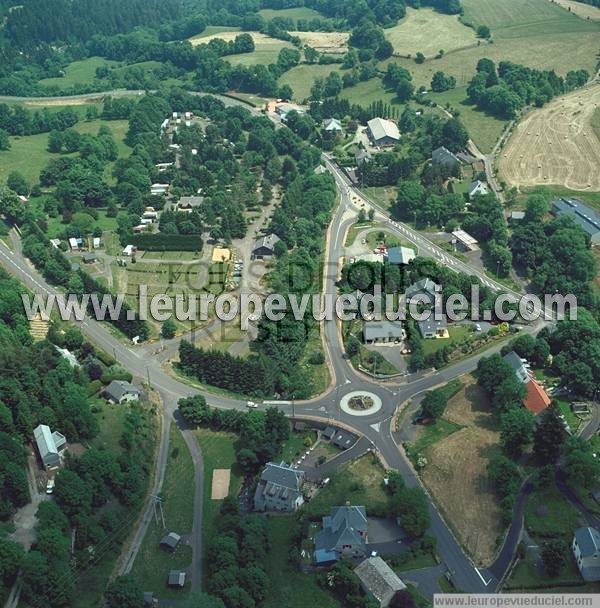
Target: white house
383,132
478,188
128,251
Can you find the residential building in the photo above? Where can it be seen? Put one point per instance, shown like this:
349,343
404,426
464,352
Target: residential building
55,243
518,365
49,445
584,216
68,355
383,132
328,433
401,256
383,331
343,439
321,170
344,533
188,203
120,391
422,291
362,156
433,328
176,578
478,188
170,541
444,159
586,550
378,580
89,258
536,400
517,216
279,488
129,250
264,247
332,125
159,189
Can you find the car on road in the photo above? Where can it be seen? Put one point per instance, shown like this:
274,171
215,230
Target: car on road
50,486
251,405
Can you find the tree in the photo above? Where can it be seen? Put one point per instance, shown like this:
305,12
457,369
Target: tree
483,31
580,464
11,558
419,57
17,183
549,436
404,89
125,592
4,140
434,404
202,600
168,329
517,430
410,505
440,82
194,410
553,556
402,599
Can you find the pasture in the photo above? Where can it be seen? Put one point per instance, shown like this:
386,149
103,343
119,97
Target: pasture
585,11
79,72
535,33
556,145
302,77
427,31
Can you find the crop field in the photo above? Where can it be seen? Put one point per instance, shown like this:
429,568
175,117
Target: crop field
325,42
556,145
427,31
535,33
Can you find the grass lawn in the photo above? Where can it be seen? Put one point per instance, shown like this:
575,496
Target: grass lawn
110,421
302,77
369,91
526,576
356,229
217,453
105,223
319,373
262,54
289,587
374,362
431,435
591,198
428,31
152,564
567,411
548,514
485,130
360,482
78,72
295,446
457,333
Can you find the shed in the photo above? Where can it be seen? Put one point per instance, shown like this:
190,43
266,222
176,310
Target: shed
328,433
170,541
49,445
378,580
89,258
177,578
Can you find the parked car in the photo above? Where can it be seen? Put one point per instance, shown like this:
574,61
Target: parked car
50,486
251,405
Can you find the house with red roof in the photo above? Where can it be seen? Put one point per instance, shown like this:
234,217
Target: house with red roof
536,400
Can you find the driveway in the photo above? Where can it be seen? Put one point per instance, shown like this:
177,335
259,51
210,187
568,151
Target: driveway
383,530
425,579
392,354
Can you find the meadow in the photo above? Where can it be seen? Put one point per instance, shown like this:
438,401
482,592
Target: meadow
79,72
300,12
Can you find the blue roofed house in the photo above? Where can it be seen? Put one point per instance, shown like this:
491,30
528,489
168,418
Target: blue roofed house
344,534
584,216
586,549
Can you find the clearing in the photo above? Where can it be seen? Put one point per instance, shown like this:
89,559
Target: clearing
230,35
325,42
302,77
535,33
556,145
456,473
220,484
585,11
427,31
79,72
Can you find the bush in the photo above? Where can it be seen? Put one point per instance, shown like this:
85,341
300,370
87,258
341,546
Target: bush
115,374
94,387
105,358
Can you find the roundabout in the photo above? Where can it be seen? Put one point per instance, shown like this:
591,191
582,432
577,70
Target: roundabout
360,403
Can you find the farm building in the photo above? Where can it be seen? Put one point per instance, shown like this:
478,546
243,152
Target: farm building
444,159
265,246
279,489
433,328
383,132
129,250
400,255
586,550
170,541
467,242
344,533
478,188
584,216
120,391
375,332
49,445
176,578
378,580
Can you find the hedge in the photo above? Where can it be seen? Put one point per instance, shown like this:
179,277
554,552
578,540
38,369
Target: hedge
167,242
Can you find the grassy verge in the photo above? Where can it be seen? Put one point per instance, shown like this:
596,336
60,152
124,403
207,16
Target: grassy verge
457,333
289,587
431,435
152,565
549,514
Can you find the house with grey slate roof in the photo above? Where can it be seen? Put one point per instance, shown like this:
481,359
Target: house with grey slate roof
586,549
120,391
344,533
279,488
378,580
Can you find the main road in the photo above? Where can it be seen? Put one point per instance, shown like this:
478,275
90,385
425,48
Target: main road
376,428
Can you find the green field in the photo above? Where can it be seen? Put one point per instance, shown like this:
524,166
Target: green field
29,156
596,122
302,77
262,54
549,514
428,32
288,586
217,453
300,12
367,92
78,72
152,564
485,130
536,33
211,30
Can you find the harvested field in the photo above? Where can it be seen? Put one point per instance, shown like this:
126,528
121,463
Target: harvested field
220,484
325,42
427,31
585,11
456,473
230,36
556,145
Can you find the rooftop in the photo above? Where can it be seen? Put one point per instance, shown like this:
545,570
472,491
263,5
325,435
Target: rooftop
384,329
583,215
588,540
400,255
267,241
536,400
379,579
381,128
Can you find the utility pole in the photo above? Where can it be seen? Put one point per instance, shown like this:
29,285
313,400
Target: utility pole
157,501
148,376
